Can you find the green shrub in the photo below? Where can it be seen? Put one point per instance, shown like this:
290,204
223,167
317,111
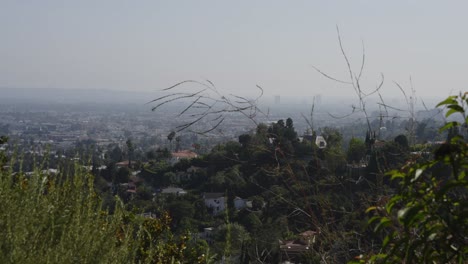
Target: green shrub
46,218
426,221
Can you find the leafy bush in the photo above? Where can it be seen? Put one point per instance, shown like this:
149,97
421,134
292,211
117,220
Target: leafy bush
426,221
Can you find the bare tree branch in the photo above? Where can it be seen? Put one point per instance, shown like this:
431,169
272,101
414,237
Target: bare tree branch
212,103
329,77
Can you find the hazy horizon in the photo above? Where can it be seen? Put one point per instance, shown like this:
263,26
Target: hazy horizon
146,46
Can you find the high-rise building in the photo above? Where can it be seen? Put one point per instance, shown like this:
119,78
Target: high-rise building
277,99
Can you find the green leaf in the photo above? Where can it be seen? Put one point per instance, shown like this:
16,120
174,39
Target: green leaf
372,208
396,175
456,107
448,126
373,219
449,100
450,112
392,202
384,222
409,215
385,241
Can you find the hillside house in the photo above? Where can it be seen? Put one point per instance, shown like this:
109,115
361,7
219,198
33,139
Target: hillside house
183,154
215,202
291,250
218,202
174,190
239,203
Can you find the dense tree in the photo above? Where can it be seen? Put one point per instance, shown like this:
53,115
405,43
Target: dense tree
130,151
180,210
122,175
357,150
402,141
116,154
170,137
229,240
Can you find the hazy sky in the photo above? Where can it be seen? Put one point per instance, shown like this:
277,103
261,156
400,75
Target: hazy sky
145,45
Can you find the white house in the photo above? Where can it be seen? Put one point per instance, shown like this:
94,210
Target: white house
207,235
320,142
239,203
173,190
215,201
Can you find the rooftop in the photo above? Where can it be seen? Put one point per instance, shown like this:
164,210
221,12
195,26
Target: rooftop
184,154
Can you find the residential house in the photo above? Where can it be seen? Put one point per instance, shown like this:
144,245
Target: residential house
122,164
183,154
207,235
239,203
215,202
291,250
173,190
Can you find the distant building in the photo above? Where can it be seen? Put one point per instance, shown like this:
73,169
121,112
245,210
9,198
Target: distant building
218,202
129,187
122,164
207,235
356,171
183,154
291,250
239,203
277,99
215,201
320,142
173,190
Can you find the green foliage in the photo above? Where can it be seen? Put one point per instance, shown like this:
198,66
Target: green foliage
48,218
402,141
229,239
122,175
180,209
116,154
357,150
252,222
3,159
426,221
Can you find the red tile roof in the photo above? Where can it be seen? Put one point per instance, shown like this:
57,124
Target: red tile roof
184,154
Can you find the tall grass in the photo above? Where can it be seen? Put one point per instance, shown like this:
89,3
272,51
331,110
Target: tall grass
46,218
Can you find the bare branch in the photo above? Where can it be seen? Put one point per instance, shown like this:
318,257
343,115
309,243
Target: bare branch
177,98
330,77
363,60
184,82
344,55
425,107
391,107
382,78
211,102
383,104
188,107
402,91
213,128
341,117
